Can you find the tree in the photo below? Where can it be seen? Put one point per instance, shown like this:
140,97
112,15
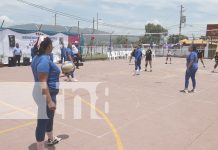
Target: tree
174,39
153,38
120,40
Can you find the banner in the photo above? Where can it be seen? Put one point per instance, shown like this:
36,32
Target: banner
8,38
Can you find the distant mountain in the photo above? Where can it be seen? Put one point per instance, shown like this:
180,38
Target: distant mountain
56,28
103,38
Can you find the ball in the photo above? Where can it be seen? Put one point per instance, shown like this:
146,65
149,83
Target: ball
68,67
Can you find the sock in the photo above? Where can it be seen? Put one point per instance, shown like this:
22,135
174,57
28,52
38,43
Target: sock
40,145
50,135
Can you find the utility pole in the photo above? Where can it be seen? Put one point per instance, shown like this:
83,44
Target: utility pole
180,24
181,20
92,37
93,31
55,19
78,28
97,21
2,23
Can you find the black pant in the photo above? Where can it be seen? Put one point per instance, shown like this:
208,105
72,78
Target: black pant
17,59
76,60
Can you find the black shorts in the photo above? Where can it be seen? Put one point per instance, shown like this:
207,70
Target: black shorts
148,58
200,56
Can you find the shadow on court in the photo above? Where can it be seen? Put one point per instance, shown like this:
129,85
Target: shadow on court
63,137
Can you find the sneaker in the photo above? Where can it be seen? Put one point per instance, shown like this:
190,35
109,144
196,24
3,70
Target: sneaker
145,69
75,80
166,63
151,70
69,80
193,91
184,91
213,71
137,72
56,140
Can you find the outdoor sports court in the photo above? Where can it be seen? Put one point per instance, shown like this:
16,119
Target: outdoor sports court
146,112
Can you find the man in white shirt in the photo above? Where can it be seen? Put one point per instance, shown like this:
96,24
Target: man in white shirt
76,53
17,52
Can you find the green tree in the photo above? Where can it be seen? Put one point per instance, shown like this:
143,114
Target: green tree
120,40
174,39
153,38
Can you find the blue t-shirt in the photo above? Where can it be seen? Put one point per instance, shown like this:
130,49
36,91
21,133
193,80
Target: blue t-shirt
69,52
43,64
138,54
34,51
51,55
194,58
17,51
63,52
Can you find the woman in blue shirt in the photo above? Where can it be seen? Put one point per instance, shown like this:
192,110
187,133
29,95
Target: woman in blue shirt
70,58
192,68
138,59
46,76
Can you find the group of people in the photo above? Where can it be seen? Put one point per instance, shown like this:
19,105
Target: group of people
191,63
69,54
137,53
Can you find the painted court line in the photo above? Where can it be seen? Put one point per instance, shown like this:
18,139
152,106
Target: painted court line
101,113
17,127
143,117
77,129
17,108
108,121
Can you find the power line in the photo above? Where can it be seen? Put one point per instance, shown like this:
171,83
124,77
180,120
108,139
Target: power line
76,17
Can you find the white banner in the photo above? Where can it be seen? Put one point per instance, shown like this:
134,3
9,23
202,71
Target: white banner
26,42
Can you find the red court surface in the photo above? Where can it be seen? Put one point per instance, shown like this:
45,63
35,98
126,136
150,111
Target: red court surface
146,112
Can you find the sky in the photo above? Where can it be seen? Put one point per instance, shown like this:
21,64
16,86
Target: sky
127,13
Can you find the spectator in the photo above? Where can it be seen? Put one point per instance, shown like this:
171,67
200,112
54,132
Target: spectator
17,52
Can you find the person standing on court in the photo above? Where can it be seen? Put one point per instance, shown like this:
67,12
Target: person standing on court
70,57
17,52
76,54
148,59
63,53
46,76
216,62
35,48
200,55
138,59
169,56
192,68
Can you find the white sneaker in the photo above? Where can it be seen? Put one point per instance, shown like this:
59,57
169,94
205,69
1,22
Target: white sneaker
138,72
69,80
56,140
193,91
75,80
184,91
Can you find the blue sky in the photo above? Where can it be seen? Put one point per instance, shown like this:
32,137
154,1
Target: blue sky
131,13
